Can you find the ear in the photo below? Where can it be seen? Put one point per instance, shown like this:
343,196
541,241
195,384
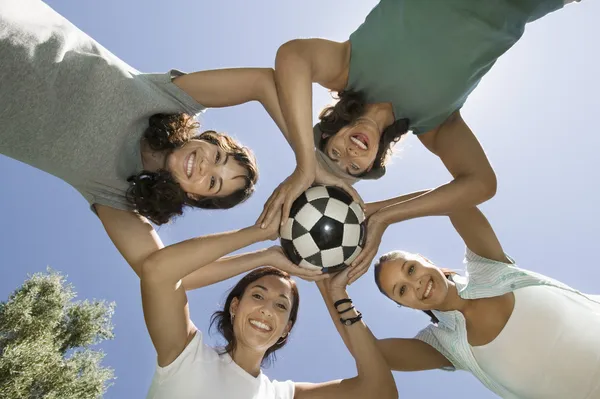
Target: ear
233,307
287,329
193,196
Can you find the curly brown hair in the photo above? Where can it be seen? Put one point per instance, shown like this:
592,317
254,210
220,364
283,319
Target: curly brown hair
346,111
223,321
158,196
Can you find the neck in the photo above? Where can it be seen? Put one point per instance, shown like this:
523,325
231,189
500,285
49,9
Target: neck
248,359
382,114
454,301
152,160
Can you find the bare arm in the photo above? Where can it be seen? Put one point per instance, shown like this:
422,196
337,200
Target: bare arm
401,354
298,64
374,379
477,233
163,294
136,240
474,179
373,207
227,87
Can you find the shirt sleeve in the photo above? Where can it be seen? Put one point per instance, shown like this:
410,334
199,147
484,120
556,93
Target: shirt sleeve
474,259
194,350
284,389
428,336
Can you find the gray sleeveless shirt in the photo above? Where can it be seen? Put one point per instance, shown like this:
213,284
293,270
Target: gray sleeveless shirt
71,108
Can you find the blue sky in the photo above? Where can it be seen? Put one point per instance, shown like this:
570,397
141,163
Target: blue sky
534,114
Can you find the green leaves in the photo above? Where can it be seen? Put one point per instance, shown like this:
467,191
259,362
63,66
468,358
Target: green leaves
45,339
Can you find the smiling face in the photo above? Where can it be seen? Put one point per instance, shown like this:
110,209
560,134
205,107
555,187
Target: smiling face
204,169
414,282
354,147
262,316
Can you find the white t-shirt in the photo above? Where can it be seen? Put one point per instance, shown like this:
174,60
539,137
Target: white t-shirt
201,373
549,348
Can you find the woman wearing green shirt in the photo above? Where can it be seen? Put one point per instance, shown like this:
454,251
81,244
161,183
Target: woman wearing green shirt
410,66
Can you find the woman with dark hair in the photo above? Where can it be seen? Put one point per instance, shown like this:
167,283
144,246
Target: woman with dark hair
522,334
256,320
127,141
410,66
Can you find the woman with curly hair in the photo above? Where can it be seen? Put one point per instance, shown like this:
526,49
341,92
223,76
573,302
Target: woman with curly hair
127,141
410,66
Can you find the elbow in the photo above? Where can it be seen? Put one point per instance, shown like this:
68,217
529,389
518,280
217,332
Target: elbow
288,51
489,185
151,271
485,186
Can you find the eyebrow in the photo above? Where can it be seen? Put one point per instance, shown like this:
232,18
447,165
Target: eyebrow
394,288
266,289
336,160
220,178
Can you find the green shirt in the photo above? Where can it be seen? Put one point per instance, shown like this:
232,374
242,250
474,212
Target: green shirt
427,56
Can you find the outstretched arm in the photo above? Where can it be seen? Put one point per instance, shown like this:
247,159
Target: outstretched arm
474,179
139,244
477,233
374,379
298,64
401,354
228,87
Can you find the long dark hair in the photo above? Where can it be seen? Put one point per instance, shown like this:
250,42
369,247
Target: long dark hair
157,196
346,111
222,318
395,255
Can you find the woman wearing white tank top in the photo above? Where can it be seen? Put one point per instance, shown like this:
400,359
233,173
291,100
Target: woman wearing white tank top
522,334
255,321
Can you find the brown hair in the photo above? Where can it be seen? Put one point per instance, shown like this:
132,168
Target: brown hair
157,196
222,318
346,111
397,255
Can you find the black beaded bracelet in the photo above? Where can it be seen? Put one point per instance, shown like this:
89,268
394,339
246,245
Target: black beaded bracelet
341,302
346,310
352,320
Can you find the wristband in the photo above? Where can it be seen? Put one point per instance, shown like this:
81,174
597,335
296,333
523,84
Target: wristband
341,302
352,320
346,310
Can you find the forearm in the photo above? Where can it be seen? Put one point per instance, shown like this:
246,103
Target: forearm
176,261
224,268
270,101
293,78
461,193
373,207
333,313
374,377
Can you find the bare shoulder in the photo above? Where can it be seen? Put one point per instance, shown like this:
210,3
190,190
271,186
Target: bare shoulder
429,138
329,60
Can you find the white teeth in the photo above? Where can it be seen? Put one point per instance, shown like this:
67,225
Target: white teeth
359,143
260,325
428,290
190,164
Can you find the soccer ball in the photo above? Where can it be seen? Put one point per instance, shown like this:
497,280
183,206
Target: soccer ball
325,230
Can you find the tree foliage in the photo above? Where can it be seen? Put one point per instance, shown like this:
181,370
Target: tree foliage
45,340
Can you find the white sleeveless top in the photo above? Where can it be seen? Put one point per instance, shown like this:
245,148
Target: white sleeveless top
201,373
569,350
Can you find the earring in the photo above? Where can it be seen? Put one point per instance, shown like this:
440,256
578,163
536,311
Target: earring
283,337
232,317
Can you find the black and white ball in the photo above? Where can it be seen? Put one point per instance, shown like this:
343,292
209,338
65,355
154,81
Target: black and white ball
325,229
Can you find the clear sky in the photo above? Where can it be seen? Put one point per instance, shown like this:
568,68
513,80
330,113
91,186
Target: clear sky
534,114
